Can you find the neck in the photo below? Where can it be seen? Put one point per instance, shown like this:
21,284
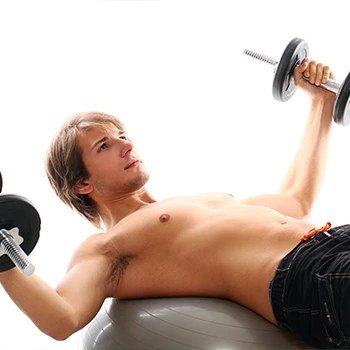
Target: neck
113,210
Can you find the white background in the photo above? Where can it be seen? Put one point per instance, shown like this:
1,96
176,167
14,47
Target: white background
201,113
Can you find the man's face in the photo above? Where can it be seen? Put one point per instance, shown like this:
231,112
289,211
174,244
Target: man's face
110,158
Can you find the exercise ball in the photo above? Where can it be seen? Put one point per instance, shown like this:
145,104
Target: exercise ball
189,323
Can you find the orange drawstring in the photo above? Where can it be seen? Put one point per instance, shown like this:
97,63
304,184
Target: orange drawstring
314,231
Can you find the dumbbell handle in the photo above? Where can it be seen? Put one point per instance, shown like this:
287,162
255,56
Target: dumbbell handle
331,85
15,253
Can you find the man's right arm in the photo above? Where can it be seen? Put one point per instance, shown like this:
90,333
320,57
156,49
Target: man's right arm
73,304
304,178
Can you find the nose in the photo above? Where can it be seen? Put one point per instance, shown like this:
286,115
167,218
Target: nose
126,148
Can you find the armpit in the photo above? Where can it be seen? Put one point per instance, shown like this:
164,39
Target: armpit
118,268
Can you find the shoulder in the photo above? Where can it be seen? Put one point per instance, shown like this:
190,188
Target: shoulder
93,247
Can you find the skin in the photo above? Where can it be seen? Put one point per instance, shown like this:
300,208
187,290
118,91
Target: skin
204,245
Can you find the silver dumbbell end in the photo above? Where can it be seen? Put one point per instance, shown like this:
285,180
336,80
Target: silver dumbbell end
15,253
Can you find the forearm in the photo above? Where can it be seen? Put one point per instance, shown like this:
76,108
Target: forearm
306,173
42,304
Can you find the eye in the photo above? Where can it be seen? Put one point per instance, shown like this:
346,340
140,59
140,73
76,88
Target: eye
102,147
123,137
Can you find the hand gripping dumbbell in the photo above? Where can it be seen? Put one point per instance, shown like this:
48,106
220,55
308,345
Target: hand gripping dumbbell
283,86
19,232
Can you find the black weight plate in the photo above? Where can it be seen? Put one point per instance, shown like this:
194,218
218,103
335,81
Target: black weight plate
0,182
341,110
283,86
17,211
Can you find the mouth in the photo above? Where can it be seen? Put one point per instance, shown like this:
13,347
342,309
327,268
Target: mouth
135,162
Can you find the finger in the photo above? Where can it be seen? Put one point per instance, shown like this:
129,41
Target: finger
326,74
319,74
312,71
303,66
306,71
299,71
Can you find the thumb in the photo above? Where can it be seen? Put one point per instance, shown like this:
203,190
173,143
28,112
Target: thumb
301,70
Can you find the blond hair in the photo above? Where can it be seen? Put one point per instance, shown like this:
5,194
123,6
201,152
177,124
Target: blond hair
64,163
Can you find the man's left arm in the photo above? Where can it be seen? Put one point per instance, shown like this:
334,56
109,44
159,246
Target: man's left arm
302,183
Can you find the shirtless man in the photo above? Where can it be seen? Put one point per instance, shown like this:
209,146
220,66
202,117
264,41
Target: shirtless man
205,245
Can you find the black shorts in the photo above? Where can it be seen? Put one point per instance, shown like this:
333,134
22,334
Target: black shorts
310,293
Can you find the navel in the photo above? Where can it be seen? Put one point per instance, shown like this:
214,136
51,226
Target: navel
164,218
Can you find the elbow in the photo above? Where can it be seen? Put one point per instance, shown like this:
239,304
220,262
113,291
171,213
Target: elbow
62,330
308,214
300,208
305,216
305,210
61,336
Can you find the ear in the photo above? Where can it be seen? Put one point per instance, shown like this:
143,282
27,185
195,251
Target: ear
82,187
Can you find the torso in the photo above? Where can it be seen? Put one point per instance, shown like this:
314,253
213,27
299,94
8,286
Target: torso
205,245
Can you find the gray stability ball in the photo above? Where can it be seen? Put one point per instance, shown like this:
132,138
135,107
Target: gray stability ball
189,323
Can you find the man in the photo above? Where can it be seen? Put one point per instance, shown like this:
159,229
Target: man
205,245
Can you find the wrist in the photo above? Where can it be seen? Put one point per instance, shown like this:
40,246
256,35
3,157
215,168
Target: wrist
325,99
321,112
323,105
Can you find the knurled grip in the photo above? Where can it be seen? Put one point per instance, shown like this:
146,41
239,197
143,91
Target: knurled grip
15,253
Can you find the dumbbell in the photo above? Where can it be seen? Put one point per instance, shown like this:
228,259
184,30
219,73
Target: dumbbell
19,232
283,87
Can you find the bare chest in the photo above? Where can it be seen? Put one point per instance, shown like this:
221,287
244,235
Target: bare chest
204,245
205,220
164,223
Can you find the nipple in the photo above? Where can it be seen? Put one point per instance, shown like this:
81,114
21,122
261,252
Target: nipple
164,218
